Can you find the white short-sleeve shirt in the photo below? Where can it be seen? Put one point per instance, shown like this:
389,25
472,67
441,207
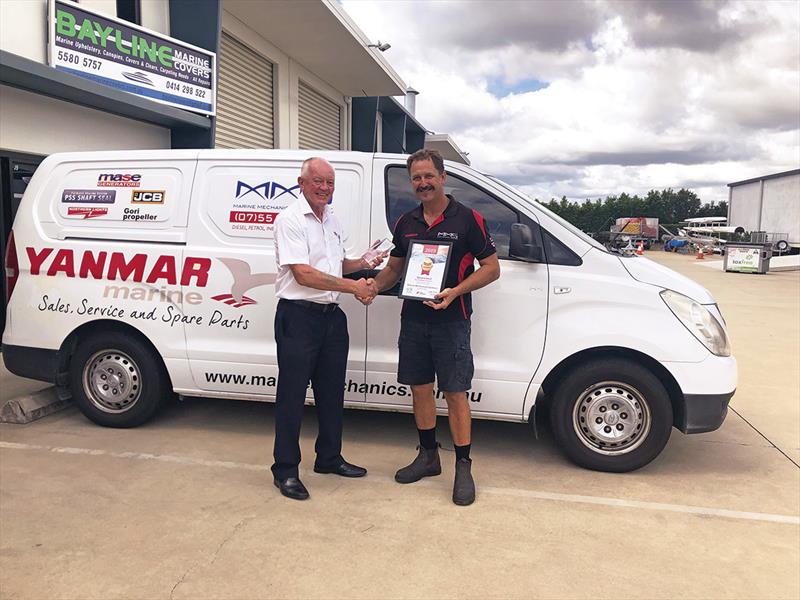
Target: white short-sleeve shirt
302,239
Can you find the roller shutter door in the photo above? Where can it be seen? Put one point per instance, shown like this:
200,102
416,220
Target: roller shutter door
244,97
319,120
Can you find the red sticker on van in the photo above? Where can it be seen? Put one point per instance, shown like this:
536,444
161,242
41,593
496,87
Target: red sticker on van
86,212
249,216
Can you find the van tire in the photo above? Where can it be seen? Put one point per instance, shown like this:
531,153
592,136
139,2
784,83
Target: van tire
117,380
633,409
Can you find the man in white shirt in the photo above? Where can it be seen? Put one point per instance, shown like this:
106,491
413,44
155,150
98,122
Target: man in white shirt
310,328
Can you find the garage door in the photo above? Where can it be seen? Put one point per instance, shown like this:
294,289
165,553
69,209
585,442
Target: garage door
319,120
244,97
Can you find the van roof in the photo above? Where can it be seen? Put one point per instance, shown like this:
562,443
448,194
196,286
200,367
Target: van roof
220,153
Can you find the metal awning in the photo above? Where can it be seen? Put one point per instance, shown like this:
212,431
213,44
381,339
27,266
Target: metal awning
401,132
445,145
23,73
320,36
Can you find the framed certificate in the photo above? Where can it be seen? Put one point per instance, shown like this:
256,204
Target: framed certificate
425,270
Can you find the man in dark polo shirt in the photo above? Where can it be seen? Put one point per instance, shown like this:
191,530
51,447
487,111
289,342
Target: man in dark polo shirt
435,336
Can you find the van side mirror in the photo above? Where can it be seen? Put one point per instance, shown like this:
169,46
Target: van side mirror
522,245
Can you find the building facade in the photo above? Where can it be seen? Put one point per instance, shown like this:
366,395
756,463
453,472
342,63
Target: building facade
768,204
285,75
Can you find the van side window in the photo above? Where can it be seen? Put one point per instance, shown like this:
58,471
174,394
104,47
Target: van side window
557,253
499,217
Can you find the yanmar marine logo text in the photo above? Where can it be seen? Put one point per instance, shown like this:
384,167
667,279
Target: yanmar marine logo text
163,270
243,281
115,266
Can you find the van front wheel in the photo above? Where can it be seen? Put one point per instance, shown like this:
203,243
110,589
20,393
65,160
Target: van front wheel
116,380
611,415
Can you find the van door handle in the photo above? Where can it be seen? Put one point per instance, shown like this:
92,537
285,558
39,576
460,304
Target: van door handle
562,290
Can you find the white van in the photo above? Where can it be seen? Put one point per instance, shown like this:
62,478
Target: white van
135,274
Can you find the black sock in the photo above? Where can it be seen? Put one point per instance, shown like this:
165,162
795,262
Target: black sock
427,438
462,451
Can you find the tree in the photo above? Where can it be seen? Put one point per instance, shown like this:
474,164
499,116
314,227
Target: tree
667,205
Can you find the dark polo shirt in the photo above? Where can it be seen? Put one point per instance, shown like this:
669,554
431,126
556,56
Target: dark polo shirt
466,229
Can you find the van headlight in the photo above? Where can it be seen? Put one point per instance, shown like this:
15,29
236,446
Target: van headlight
699,321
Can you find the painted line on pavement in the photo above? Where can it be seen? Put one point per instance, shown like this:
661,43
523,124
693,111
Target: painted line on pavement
509,492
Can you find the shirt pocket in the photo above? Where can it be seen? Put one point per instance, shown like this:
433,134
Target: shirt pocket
338,243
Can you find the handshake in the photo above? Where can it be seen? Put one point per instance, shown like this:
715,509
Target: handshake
365,291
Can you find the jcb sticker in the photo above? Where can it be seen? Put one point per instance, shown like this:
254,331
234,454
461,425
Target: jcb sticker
148,196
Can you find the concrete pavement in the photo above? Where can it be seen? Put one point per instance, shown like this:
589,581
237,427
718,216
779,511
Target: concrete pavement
12,386
184,507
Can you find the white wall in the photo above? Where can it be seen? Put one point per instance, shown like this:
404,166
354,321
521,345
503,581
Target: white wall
23,23
780,212
41,125
286,75
745,206
155,15
107,7
23,28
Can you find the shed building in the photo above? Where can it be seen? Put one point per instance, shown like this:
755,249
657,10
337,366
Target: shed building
769,204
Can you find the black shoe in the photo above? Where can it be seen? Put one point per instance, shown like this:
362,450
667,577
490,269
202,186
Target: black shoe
292,487
426,464
463,486
345,469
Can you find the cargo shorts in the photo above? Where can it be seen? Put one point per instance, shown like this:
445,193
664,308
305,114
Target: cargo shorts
436,351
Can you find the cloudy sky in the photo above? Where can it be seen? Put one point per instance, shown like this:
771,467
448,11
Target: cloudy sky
588,99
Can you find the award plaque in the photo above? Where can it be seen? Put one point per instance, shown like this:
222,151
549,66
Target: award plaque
425,270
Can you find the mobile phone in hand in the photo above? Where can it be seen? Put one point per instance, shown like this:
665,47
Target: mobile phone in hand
377,248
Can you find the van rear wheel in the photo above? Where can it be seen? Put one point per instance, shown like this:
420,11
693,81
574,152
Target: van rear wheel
116,380
611,415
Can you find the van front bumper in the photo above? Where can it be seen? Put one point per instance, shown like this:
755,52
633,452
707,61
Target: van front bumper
34,363
706,388
703,412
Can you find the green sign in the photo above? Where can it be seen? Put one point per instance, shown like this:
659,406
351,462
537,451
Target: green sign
127,57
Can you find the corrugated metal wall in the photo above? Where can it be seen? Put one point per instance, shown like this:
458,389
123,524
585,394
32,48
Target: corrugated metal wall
320,123
244,97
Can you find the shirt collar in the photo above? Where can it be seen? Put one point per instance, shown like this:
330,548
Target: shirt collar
305,208
448,211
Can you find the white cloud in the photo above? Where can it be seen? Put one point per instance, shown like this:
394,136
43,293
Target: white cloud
641,95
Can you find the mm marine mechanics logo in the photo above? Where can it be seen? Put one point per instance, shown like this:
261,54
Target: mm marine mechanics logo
243,281
269,190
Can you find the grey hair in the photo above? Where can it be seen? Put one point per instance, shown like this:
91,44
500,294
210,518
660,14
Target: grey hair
307,165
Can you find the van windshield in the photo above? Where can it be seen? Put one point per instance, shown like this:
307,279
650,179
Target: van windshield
538,206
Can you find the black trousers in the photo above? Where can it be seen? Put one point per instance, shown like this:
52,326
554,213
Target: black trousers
312,346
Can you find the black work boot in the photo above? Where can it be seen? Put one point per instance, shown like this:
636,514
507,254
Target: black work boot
426,464
463,486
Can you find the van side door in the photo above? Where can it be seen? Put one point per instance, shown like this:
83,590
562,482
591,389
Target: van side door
105,234
231,346
509,316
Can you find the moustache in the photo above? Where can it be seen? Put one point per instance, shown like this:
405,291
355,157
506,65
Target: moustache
425,188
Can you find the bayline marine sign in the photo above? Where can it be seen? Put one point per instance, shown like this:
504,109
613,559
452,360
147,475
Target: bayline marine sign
130,58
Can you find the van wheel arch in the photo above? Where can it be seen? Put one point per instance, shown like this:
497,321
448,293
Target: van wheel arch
540,409
86,330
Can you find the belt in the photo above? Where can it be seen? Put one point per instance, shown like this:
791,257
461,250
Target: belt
323,308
